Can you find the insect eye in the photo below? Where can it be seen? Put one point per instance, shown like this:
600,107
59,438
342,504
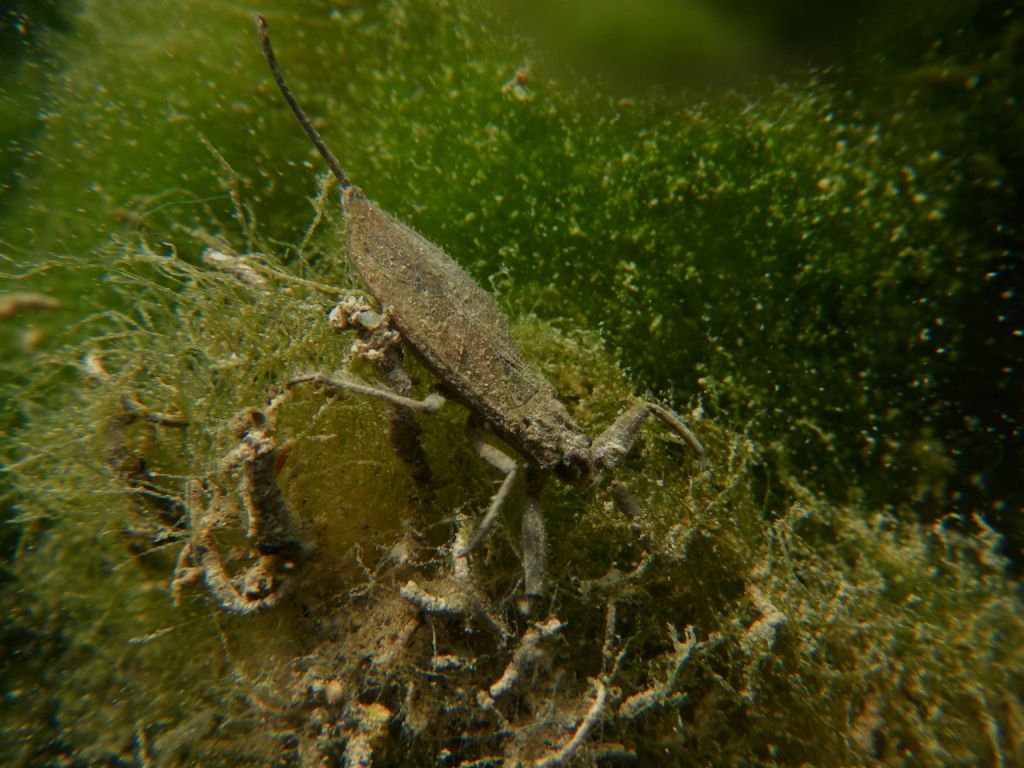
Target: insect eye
572,468
567,473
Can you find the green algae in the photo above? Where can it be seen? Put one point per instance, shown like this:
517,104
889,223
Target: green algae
784,261
817,248
819,634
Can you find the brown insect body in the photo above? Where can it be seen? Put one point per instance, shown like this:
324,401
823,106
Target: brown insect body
460,334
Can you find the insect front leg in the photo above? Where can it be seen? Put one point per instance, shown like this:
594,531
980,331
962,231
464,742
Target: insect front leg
612,445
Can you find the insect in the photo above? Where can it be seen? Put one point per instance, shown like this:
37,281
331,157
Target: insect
461,336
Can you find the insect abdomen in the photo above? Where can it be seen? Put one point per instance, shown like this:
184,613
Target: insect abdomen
444,316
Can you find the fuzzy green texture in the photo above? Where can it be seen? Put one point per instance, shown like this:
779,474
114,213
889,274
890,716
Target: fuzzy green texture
823,634
817,255
796,261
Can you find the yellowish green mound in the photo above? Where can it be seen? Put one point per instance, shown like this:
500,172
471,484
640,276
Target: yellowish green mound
707,627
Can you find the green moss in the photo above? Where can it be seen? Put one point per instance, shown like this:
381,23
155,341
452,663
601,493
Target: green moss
816,252
819,634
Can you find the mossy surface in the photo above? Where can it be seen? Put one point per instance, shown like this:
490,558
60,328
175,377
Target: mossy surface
821,274
836,252
819,633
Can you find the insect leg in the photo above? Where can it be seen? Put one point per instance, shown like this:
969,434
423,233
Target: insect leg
405,432
405,437
503,463
535,537
430,404
612,445
534,534
631,509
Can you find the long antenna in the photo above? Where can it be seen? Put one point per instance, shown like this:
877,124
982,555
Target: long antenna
332,161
